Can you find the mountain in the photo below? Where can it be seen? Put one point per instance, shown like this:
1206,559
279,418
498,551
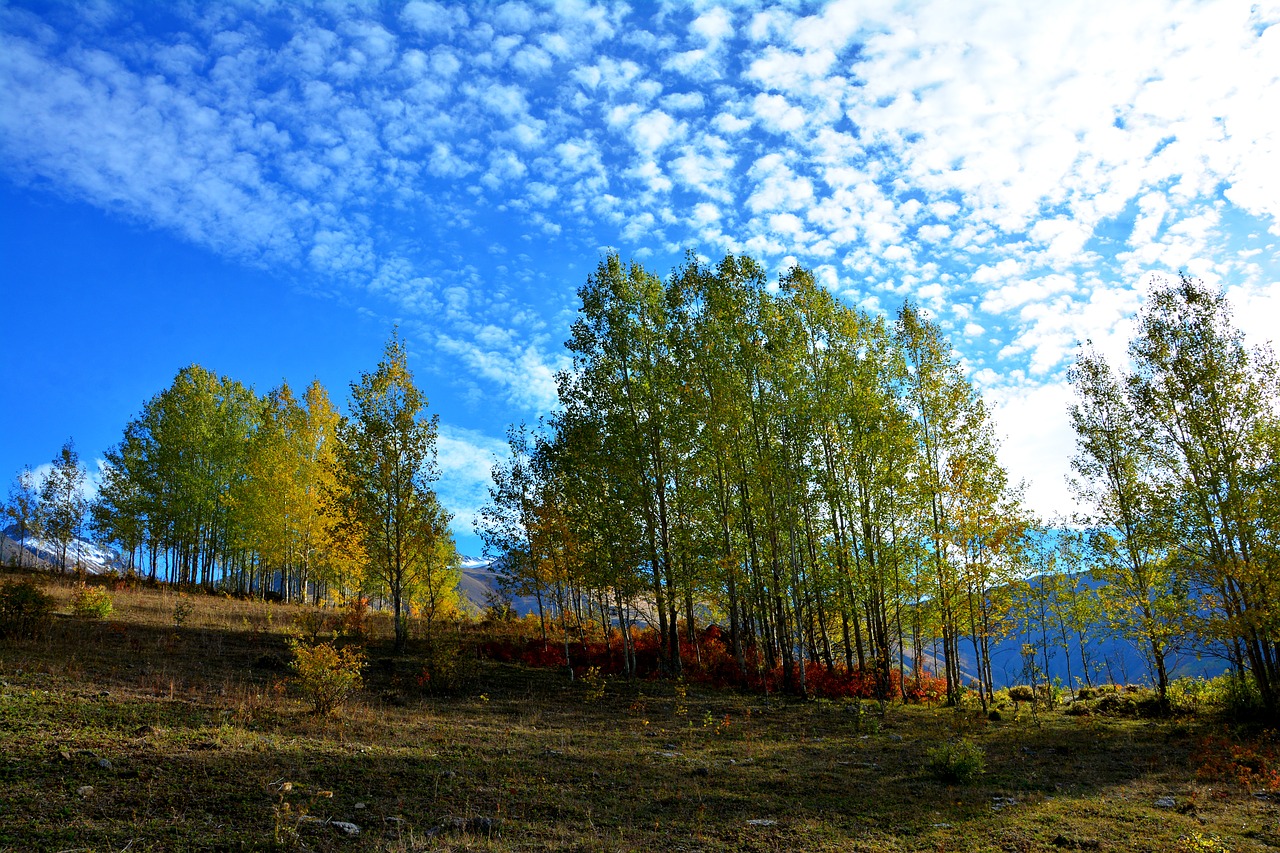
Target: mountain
480,586
95,559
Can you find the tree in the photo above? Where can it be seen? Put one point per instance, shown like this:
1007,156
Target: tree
1128,540
62,501
174,485
23,507
386,462
1210,409
953,436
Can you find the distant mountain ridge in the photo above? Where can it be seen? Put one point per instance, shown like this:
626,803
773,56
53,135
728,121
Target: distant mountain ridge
94,559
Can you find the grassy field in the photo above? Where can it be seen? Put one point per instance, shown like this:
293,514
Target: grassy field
133,733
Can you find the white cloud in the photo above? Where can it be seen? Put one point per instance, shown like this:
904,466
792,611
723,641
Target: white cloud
652,131
1037,442
714,25
961,154
433,18
466,459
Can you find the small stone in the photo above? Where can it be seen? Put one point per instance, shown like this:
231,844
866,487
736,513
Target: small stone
1166,802
104,763
358,806
85,790
346,828
762,821
896,738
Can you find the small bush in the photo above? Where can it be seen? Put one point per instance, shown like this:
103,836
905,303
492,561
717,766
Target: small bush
91,602
309,623
1020,693
957,763
327,675
448,667
1141,702
593,684
25,611
1238,695
354,621
182,610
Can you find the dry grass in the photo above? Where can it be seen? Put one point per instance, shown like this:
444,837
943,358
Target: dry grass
132,734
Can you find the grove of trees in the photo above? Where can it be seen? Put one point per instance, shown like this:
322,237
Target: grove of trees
818,482
823,483
1179,474
215,486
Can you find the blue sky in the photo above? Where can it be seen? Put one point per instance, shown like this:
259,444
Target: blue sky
266,188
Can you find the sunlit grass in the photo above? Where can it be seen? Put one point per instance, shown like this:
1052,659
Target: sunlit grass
133,732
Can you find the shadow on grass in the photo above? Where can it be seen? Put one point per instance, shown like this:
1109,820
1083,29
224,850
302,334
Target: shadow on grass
142,737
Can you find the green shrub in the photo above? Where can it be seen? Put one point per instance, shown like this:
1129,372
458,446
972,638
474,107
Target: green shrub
1237,695
1134,701
91,602
182,609
957,763
593,685
25,611
326,675
448,666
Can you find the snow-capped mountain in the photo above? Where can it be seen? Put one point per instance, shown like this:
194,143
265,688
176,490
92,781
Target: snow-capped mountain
93,558
480,586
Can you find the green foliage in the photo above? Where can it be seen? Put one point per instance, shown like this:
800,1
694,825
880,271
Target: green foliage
25,611
1177,457
182,609
326,675
22,508
449,666
593,684
957,763
805,470
310,623
386,463
1230,693
91,602
62,504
